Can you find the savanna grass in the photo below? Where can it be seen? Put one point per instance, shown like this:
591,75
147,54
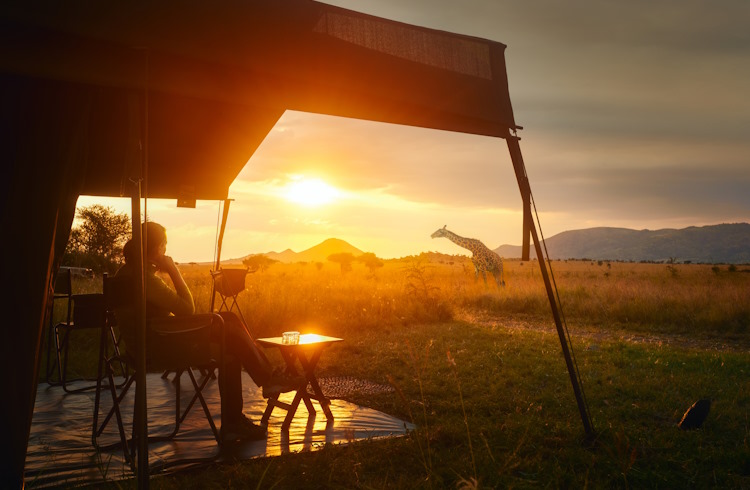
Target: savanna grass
492,402
519,427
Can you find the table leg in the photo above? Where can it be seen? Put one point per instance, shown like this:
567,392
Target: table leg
302,394
309,368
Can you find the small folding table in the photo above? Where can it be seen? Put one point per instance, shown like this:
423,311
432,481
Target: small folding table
306,353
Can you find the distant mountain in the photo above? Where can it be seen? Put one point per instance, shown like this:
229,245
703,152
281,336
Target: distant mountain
318,253
726,244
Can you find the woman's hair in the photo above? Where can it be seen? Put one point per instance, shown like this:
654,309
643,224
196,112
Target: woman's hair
153,235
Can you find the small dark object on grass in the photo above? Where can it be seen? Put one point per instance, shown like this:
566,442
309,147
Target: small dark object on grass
695,415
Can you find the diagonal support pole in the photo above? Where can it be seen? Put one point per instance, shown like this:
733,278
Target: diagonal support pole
220,239
525,188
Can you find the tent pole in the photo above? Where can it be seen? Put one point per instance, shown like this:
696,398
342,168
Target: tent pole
528,222
141,404
523,184
221,232
141,427
218,249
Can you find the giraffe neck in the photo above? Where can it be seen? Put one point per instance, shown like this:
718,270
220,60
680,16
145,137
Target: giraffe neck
458,240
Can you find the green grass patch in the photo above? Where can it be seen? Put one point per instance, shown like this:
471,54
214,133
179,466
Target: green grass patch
495,409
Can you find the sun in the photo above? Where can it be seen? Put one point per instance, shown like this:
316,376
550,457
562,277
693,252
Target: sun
310,192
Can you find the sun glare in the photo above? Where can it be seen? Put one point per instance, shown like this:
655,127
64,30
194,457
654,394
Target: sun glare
310,192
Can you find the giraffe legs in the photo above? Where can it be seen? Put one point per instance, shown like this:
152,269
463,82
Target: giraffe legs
484,276
498,279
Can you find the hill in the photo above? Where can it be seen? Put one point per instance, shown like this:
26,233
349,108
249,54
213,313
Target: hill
725,243
318,253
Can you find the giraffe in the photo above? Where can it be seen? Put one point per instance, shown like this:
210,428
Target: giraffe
484,259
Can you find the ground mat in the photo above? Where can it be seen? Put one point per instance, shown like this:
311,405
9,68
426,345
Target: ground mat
60,451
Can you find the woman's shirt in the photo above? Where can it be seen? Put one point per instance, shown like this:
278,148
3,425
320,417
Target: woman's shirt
161,300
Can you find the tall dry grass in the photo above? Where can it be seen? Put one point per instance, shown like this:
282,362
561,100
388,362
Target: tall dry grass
681,298
494,407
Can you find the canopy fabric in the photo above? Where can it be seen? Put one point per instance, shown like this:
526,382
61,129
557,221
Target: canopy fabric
95,95
219,76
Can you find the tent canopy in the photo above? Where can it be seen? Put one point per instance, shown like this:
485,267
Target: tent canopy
95,94
218,77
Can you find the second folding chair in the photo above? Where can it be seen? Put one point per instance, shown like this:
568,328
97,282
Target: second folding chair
84,313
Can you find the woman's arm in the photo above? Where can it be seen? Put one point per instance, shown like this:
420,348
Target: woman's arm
178,301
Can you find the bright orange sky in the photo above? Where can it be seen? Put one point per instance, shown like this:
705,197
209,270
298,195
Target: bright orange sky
635,116
317,177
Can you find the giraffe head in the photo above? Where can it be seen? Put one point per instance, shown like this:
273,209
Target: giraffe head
440,232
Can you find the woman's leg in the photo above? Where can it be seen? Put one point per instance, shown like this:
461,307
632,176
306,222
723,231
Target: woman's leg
230,388
240,344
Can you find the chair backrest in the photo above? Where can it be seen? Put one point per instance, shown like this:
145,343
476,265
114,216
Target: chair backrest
118,292
63,291
89,311
63,283
171,342
119,301
229,282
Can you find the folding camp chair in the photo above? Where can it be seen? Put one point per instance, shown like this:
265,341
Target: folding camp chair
229,283
62,294
176,343
83,312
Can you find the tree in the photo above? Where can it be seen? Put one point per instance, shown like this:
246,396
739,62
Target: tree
370,261
255,262
344,259
96,241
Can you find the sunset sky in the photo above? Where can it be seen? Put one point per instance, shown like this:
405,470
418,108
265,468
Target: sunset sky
635,114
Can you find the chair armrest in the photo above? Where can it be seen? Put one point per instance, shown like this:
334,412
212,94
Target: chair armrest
184,323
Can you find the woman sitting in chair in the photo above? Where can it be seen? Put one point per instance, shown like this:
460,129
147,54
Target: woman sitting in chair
241,349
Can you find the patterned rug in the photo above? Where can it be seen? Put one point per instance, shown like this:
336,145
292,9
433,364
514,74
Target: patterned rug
342,386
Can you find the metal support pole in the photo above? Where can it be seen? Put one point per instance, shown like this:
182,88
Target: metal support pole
528,225
220,240
523,184
528,222
224,217
139,177
141,427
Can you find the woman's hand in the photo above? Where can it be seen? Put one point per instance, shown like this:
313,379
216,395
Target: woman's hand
165,264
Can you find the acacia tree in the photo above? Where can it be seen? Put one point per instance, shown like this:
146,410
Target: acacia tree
255,262
96,240
344,259
370,261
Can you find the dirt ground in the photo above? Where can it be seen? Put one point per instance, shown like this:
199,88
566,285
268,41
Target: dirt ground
587,335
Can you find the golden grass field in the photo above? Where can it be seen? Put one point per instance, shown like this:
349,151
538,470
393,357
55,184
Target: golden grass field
479,371
700,300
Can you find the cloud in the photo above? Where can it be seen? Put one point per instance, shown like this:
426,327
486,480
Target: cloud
635,115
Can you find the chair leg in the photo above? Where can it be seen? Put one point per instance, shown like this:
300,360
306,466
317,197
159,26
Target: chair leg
116,348
181,414
62,354
51,365
115,410
199,395
129,445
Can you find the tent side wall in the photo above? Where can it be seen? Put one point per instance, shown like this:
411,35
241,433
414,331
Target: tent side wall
43,136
